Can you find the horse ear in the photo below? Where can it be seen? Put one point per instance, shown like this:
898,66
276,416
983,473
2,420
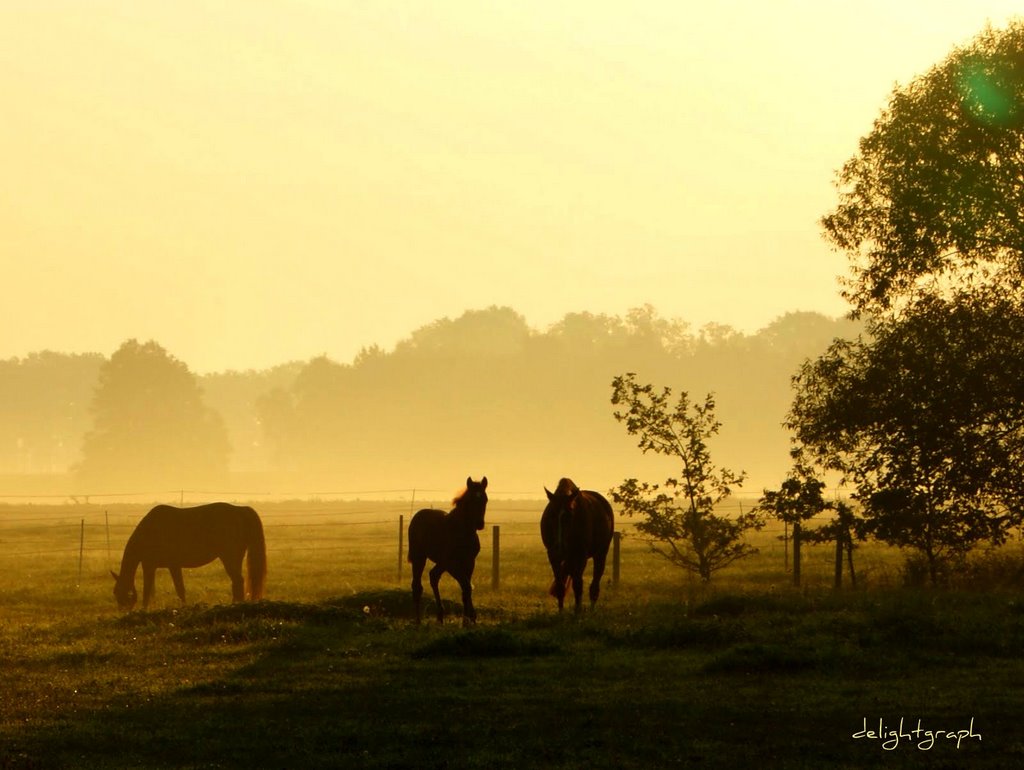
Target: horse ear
483,482
548,493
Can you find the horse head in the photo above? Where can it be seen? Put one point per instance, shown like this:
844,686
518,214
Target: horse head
564,497
124,592
560,508
473,502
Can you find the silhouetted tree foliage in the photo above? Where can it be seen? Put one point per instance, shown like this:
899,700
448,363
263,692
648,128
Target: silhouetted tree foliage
677,518
799,497
923,414
926,420
150,426
935,193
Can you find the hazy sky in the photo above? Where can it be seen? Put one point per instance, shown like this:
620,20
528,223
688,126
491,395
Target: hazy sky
255,182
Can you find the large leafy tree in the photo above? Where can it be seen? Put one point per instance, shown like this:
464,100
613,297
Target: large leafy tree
926,420
678,518
150,425
934,196
923,414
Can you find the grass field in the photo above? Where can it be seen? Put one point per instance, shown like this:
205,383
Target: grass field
330,671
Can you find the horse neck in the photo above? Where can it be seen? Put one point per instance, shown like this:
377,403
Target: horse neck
463,515
564,520
574,526
129,562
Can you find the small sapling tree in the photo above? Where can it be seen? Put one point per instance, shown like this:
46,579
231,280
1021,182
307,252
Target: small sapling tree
800,498
845,526
677,518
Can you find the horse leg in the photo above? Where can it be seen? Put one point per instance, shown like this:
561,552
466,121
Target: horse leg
577,586
417,585
595,583
148,582
468,611
233,566
435,578
558,584
179,582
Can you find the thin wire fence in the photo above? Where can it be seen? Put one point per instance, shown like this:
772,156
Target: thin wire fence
301,523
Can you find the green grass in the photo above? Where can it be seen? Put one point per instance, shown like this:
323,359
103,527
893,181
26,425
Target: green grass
331,671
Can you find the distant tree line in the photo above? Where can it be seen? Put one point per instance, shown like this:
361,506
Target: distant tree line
44,410
478,392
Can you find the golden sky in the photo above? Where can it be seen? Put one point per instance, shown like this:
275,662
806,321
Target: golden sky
255,182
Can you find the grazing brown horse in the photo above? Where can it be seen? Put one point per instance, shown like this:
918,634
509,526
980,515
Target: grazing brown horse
576,525
450,541
176,538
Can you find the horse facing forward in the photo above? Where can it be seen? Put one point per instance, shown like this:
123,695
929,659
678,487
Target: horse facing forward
450,541
176,538
576,525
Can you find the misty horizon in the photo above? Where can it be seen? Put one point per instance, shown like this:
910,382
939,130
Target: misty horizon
297,217
480,393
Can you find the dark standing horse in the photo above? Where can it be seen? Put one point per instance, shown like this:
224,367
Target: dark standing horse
191,537
576,525
450,541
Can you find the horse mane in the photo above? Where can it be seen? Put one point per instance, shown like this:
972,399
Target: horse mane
458,497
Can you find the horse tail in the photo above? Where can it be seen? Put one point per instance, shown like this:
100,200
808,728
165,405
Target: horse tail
256,557
565,586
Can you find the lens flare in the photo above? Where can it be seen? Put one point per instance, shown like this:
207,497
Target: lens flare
987,95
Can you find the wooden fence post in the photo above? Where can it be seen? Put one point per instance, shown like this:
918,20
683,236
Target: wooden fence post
616,541
81,551
785,544
495,557
401,535
848,544
796,553
839,561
